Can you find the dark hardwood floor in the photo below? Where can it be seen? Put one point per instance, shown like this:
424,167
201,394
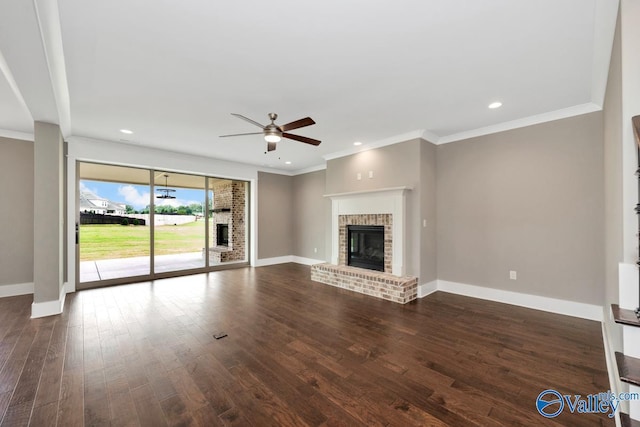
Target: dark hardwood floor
297,353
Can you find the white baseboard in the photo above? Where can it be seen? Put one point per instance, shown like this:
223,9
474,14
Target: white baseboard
17,289
287,258
307,261
427,288
49,308
275,260
553,305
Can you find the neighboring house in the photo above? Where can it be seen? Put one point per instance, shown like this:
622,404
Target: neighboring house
89,202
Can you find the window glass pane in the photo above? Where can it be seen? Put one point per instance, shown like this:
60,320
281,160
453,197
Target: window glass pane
179,221
114,229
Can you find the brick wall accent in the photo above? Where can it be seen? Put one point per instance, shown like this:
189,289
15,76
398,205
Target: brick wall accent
375,219
368,282
230,195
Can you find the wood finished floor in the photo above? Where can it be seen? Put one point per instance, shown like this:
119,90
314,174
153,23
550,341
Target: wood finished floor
297,353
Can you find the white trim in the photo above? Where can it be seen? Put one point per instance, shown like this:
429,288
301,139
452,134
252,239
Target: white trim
274,171
550,116
430,137
49,308
17,289
306,261
552,305
615,385
310,169
628,285
396,139
288,258
427,288
357,193
8,75
382,201
48,17
275,260
314,168
23,136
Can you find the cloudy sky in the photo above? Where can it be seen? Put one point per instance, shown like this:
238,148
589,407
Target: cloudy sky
138,195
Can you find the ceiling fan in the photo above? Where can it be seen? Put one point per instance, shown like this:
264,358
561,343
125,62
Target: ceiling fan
274,133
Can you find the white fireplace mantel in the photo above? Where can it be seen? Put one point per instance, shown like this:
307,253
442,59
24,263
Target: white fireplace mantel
382,201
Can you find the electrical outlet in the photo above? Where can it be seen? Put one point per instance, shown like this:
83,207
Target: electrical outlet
513,275
370,174
424,222
359,176
315,250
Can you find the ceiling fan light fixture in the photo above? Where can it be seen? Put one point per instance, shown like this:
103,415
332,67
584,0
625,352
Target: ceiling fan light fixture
272,133
165,193
272,137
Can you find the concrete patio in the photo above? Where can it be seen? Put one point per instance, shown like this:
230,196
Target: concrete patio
106,269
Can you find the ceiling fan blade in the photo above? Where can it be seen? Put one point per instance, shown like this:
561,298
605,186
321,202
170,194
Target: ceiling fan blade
240,116
271,146
241,134
307,121
301,139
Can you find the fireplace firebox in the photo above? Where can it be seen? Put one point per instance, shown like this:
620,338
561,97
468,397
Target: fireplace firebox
222,234
365,246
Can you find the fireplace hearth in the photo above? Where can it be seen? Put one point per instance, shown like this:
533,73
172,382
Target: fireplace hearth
365,246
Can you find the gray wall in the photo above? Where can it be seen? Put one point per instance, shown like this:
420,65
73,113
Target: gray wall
612,119
311,211
16,215
275,215
529,200
393,166
428,234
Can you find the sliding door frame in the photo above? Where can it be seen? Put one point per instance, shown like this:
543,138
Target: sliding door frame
177,273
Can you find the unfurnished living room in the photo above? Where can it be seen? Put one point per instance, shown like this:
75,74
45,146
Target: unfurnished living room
337,213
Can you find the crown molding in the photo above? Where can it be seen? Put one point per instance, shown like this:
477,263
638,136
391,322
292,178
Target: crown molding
310,169
376,144
6,133
564,113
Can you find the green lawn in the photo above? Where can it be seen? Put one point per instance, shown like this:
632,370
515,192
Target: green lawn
118,241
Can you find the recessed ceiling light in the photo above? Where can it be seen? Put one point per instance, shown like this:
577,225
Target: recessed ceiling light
127,131
357,143
496,104
287,162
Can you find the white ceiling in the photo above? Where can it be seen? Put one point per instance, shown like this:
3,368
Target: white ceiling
369,71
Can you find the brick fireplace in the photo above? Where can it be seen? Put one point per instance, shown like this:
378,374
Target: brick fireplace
386,207
384,220
229,210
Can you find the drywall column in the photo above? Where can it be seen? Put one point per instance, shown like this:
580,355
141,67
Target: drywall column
48,222
630,64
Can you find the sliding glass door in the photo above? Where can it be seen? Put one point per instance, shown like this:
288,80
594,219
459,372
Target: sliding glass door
138,224
179,221
114,232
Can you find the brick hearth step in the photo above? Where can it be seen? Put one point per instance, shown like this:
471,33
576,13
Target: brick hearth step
368,282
